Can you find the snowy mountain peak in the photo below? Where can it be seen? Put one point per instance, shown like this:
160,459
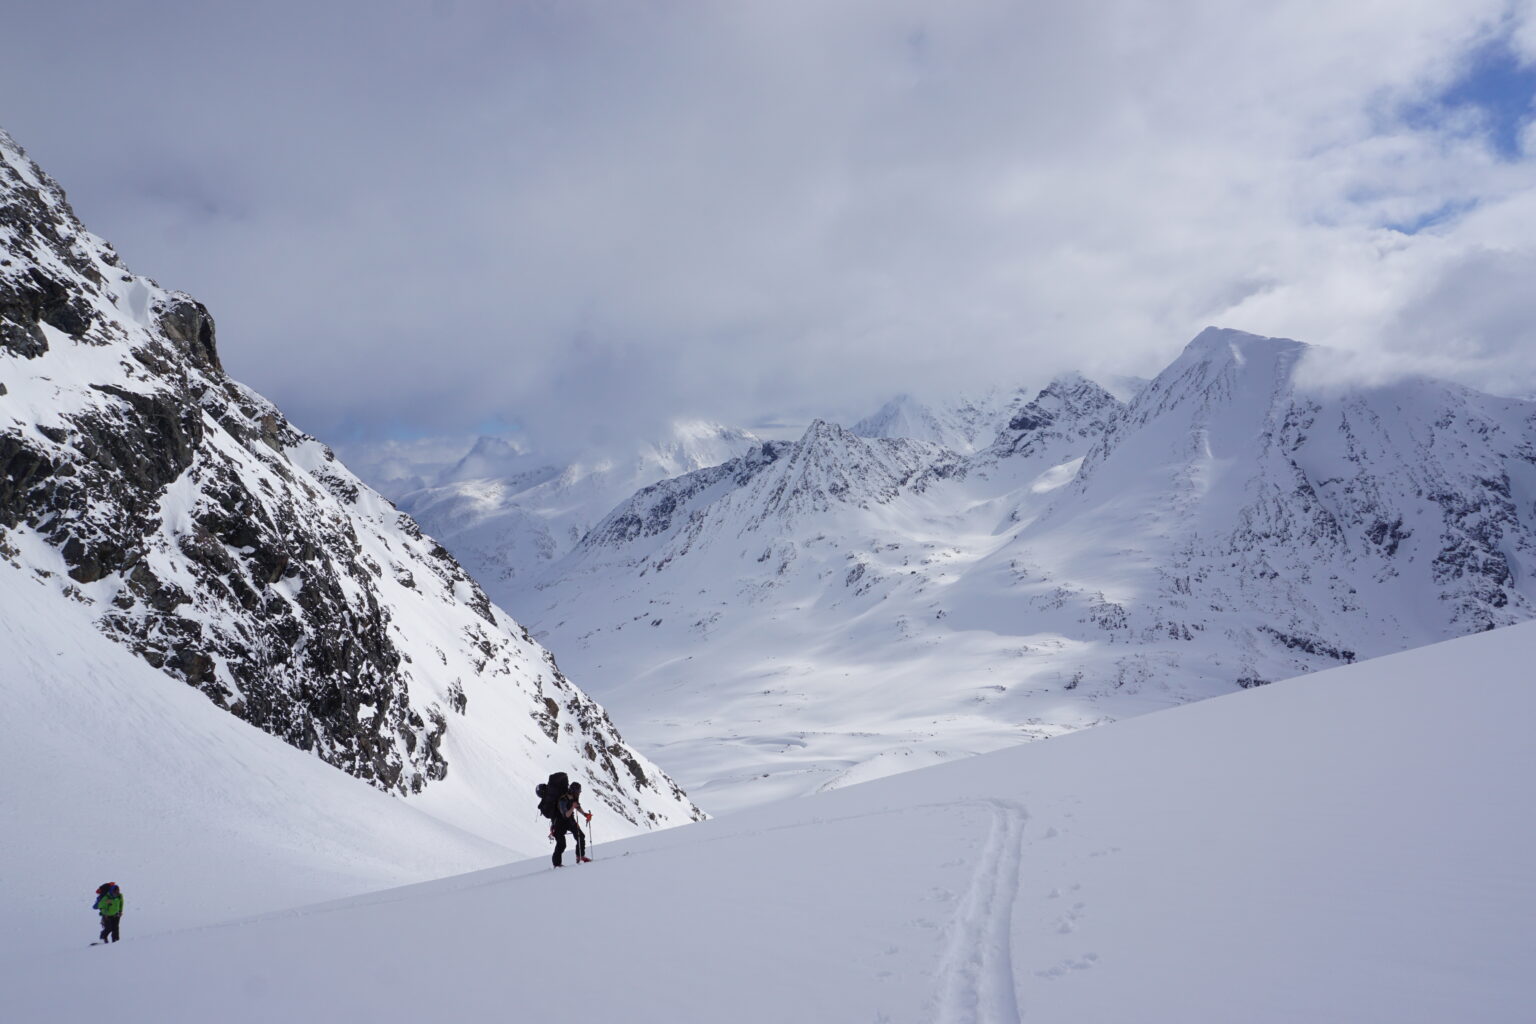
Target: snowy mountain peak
777,487
832,465
1222,367
963,425
1067,416
1224,391
902,416
824,434
1227,342
1070,395
1220,356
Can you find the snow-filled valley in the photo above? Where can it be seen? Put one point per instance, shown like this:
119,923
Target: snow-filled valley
1353,846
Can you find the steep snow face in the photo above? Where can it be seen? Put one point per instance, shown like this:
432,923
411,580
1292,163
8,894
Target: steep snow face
1303,852
505,512
828,612
1309,527
964,425
235,553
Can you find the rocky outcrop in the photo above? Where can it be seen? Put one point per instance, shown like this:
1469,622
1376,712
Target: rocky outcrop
234,552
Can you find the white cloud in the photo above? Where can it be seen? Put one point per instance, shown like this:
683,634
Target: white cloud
593,217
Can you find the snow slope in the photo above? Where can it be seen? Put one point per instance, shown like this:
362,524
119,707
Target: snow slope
838,608
117,772
1351,847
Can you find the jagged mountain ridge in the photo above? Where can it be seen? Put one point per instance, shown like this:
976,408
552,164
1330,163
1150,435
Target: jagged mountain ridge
1224,528
761,493
234,552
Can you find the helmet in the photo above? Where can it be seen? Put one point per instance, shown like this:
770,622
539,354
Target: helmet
575,787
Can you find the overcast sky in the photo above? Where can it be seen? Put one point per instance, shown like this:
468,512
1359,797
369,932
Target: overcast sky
416,219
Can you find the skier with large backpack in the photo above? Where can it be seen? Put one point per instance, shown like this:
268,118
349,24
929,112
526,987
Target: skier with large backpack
109,904
560,802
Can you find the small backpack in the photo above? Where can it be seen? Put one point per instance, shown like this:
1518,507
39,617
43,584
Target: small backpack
109,899
551,793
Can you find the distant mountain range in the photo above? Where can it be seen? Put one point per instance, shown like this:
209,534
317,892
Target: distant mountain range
822,611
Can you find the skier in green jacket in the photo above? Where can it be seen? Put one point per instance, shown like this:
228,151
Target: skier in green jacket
109,903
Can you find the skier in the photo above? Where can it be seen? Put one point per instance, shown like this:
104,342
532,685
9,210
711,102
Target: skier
109,903
560,802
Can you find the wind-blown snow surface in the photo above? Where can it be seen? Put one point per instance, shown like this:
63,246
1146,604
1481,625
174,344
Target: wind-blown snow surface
1353,847
831,610
117,772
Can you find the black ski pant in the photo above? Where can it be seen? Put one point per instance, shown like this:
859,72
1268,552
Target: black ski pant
562,826
109,927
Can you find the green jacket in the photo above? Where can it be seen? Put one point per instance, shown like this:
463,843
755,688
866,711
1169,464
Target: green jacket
110,905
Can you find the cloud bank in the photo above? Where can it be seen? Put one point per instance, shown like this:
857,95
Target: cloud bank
583,218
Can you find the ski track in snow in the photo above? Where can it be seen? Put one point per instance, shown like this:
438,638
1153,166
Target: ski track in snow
975,977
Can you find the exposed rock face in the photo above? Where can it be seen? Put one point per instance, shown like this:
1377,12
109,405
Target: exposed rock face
1059,423
234,552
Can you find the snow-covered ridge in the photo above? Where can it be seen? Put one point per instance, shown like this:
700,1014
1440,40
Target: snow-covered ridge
771,490
234,552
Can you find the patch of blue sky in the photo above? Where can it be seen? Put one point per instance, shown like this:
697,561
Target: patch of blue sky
1442,214
1497,87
